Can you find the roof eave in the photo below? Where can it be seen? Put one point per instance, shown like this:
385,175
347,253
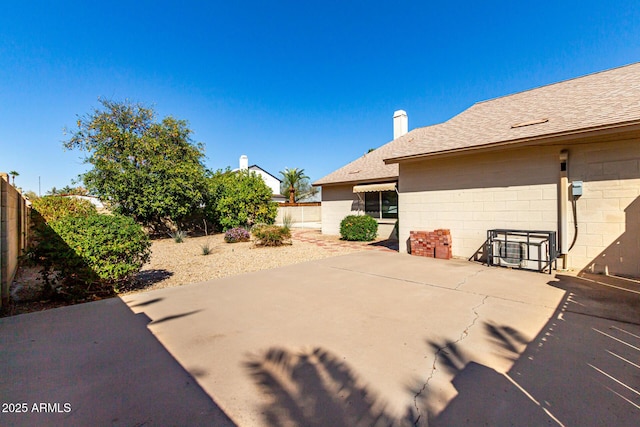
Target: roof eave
271,175
358,181
628,126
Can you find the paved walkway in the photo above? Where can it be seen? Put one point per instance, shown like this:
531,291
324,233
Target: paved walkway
330,243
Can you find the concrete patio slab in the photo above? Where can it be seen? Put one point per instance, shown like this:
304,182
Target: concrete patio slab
377,314
371,338
95,364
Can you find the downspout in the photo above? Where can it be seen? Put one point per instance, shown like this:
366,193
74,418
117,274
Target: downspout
397,225
563,197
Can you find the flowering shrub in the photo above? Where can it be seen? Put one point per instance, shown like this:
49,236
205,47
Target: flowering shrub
237,234
361,228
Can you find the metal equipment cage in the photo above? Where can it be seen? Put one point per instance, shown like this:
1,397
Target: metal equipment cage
524,249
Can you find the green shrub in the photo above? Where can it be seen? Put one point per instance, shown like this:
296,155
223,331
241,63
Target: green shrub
101,250
362,228
239,199
270,235
52,208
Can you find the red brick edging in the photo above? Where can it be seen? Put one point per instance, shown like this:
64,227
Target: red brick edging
307,236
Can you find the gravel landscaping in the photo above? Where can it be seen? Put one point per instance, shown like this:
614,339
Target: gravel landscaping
176,264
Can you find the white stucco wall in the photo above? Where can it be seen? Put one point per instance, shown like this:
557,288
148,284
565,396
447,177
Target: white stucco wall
271,182
93,200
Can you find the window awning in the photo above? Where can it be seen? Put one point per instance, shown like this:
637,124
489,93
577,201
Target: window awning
390,186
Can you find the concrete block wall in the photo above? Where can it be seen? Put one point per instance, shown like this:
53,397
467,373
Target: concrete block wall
472,194
519,189
608,212
14,226
469,220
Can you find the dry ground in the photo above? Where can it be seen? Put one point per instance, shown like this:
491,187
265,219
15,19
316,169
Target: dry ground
177,264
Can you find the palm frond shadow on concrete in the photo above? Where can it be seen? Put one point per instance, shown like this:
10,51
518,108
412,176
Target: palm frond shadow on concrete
484,396
315,388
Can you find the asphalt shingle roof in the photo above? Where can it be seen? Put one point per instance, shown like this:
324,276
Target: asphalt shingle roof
600,100
370,167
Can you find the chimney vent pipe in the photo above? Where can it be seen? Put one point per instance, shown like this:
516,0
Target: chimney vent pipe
244,162
400,123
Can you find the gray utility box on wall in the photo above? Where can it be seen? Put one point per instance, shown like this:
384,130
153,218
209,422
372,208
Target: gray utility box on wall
576,188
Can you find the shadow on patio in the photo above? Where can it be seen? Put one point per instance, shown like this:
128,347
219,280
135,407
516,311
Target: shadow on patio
102,360
392,244
315,388
581,369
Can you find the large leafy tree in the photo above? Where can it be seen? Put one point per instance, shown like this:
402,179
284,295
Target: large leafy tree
295,184
149,170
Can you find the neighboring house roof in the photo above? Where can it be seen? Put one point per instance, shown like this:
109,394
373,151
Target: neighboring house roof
604,100
93,199
255,167
596,102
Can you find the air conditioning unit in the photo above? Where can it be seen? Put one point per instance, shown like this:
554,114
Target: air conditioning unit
520,254
510,254
528,249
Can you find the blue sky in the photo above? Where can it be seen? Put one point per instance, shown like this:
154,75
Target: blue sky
308,84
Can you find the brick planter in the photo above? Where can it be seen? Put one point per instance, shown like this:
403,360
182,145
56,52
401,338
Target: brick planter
432,244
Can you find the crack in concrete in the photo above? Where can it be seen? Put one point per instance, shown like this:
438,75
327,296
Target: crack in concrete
467,278
417,282
448,288
440,350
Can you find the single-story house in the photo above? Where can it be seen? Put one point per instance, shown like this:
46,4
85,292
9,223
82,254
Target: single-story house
366,185
563,158
271,181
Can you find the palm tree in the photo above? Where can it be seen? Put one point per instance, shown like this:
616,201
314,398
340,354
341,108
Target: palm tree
291,178
13,175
